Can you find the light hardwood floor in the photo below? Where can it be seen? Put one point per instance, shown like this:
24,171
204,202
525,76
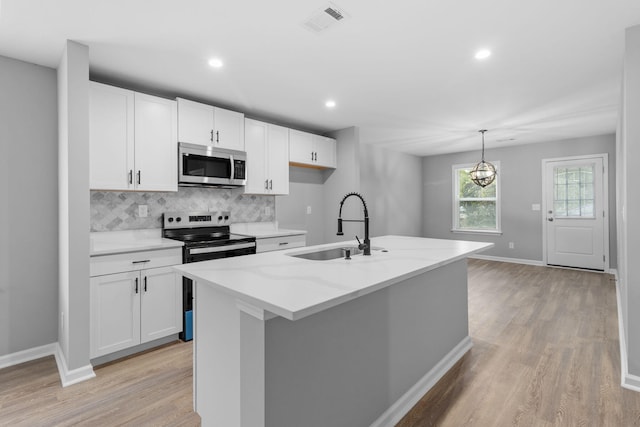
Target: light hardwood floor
545,354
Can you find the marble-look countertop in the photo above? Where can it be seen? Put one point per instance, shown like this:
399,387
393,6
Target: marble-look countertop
295,288
117,242
262,230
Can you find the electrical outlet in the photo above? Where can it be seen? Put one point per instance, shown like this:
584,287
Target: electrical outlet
267,210
308,210
143,211
511,245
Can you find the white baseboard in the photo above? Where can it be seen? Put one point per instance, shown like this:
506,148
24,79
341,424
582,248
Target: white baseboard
70,377
27,355
403,405
505,259
627,380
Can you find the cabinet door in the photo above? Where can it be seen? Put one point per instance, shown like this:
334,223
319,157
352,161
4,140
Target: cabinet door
156,144
195,122
325,151
115,312
256,146
229,129
161,303
111,133
300,147
278,159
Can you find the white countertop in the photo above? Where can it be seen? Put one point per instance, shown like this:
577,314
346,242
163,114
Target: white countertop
117,242
262,230
295,288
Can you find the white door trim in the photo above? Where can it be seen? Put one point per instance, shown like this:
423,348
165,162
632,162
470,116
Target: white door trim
605,190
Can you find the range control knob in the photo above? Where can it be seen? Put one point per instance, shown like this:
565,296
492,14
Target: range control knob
220,218
226,217
178,219
170,219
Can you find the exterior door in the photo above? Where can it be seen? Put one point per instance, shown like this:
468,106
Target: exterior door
576,227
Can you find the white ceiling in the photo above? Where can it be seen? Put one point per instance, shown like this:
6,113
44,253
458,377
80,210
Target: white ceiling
402,71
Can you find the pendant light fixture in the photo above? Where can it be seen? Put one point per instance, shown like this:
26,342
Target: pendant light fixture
483,173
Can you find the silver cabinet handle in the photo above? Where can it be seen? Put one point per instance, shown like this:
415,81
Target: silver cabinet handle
217,136
145,283
139,262
139,176
550,219
266,184
136,285
211,138
130,176
270,184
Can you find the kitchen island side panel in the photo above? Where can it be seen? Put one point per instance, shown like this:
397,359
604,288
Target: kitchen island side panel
345,366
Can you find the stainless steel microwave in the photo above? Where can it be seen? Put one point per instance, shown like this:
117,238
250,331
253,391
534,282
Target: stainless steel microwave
200,165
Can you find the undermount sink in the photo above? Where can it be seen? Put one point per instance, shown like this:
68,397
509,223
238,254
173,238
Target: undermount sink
332,253
327,254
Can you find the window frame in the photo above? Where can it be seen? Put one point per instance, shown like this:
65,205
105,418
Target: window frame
455,226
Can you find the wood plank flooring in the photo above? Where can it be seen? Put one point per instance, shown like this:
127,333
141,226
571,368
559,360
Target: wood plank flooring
545,354
150,389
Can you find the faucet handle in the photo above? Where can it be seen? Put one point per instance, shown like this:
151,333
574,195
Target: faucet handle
359,242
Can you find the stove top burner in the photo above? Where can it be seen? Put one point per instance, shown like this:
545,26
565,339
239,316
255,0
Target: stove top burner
197,229
203,237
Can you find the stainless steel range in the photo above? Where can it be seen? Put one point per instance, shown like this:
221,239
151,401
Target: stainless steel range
206,236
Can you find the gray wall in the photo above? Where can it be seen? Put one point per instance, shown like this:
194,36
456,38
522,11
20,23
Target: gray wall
305,190
73,205
28,207
521,180
389,181
391,185
629,249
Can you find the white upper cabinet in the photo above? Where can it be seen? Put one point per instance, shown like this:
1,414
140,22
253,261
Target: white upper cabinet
111,136
307,149
132,140
212,126
267,148
325,151
156,147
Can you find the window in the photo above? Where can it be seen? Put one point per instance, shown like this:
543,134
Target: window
573,189
475,209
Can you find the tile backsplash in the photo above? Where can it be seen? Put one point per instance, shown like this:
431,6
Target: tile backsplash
114,210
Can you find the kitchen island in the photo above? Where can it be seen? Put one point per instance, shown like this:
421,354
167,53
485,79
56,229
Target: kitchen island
287,341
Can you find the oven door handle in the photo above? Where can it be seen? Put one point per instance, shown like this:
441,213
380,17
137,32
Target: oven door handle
224,248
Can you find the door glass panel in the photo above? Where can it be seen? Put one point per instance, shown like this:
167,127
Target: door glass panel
574,192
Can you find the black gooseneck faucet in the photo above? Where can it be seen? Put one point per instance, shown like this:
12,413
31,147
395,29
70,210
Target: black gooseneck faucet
366,246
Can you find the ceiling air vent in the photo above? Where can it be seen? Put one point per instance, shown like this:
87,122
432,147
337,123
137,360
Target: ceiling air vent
325,18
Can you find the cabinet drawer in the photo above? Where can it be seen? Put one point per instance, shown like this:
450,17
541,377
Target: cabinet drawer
278,243
132,261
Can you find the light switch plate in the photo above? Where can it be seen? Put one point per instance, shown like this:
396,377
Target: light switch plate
308,210
143,211
535,207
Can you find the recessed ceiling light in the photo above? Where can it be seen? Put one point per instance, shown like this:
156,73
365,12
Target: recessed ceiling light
483,54
216,63
330,103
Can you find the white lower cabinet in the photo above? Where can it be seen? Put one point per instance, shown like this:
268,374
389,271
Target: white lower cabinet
267,244
134,307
